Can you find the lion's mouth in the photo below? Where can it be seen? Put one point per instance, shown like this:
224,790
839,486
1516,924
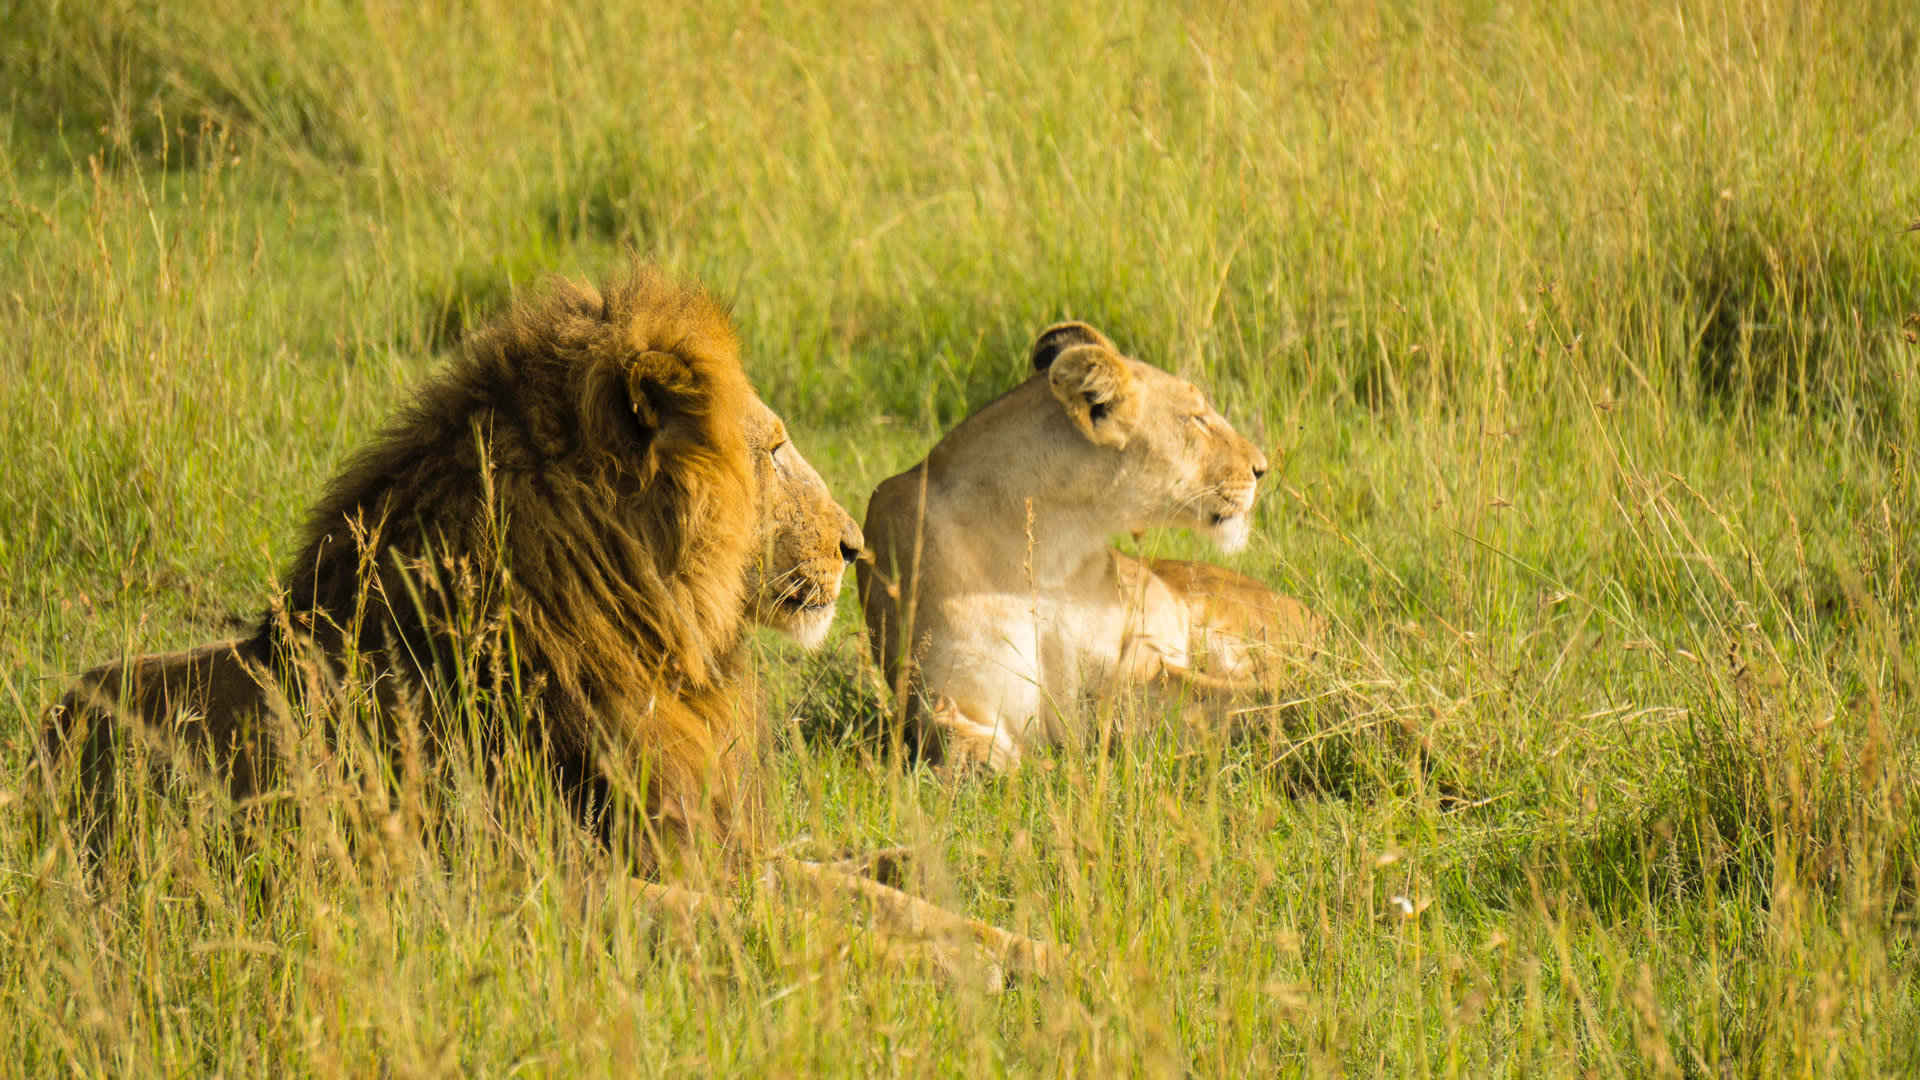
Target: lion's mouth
1225,515
806,597
805,612
802,605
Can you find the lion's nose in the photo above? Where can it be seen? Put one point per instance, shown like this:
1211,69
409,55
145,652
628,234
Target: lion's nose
1259,465
851,541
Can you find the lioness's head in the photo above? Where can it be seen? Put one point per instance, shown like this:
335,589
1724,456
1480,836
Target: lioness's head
1173,453
806,539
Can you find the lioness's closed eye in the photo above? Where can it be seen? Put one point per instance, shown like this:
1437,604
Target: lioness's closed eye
995,601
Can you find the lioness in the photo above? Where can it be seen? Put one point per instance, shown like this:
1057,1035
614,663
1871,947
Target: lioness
995,603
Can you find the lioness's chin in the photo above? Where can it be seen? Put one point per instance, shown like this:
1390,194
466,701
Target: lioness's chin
1230,533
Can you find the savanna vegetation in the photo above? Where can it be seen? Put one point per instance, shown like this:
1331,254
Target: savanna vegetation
1583,338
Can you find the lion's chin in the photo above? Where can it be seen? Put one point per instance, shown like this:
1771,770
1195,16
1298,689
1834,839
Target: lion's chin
806,623
804,612
1229,532
808,626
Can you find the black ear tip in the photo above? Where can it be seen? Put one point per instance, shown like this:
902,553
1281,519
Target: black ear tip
1060,337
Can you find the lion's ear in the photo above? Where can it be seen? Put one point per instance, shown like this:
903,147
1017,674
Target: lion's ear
631,402
1100,395
1060,337
661,388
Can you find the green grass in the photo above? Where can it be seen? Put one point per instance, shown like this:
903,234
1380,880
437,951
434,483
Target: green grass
1584,335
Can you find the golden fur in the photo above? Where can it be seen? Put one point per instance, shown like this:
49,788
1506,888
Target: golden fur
994,602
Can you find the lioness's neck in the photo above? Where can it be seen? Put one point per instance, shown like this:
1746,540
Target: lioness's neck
1029,527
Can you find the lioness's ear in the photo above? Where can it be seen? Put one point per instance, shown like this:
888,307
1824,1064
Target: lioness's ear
1099,393
1060,337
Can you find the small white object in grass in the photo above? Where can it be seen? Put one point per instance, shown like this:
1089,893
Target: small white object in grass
1409,907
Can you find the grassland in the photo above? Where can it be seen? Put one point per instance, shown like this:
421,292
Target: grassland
1584,336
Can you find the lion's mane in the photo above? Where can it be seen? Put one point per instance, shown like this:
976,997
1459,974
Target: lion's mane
567,512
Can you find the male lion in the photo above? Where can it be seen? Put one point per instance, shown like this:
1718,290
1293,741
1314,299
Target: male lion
573,509
995,602
571,528
225,699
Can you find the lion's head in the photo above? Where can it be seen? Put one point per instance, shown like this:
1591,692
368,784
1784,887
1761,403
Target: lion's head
1151,436
807,540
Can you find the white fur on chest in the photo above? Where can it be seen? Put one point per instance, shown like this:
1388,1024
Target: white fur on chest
1020,663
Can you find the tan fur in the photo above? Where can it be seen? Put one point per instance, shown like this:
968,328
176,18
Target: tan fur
1241,635
806,539
995,604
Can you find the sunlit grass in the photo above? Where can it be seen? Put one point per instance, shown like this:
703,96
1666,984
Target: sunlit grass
1584,337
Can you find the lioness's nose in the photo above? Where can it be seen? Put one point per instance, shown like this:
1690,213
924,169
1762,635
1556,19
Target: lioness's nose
1259,465
851,541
